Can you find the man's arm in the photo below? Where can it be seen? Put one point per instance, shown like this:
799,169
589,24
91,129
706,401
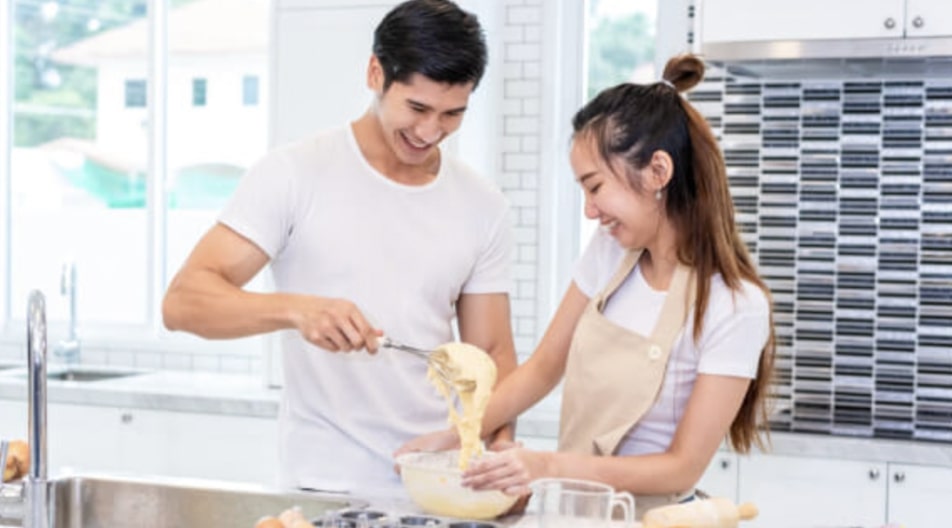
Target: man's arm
484,321
206,298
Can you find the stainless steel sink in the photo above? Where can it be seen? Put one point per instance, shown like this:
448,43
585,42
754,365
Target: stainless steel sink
85,374
88,375
108,502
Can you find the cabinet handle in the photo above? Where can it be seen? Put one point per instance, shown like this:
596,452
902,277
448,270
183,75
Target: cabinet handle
899,477
126,418
874,474
918,22
890,23
725,463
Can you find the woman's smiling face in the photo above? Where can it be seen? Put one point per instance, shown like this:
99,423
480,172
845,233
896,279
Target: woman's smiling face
630,216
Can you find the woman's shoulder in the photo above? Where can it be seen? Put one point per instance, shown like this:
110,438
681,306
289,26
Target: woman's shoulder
748,298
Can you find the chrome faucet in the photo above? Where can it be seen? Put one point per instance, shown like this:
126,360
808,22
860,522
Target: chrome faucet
36,485
34,492
69,348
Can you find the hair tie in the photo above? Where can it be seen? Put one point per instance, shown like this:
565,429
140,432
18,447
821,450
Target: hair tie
668,83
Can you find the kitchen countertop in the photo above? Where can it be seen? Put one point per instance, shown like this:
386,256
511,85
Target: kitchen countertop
242,395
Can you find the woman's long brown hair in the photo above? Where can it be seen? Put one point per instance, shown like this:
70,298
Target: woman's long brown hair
629,123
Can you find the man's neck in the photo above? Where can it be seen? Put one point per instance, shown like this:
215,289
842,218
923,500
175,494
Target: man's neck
378,153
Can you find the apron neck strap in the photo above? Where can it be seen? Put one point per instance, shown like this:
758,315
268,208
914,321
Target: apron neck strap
624,269
679,299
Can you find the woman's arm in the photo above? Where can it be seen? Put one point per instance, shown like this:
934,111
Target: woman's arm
710,410
542,371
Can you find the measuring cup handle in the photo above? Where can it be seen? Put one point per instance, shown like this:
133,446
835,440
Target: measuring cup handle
625,501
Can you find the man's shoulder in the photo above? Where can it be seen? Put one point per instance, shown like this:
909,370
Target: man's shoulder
327,140
471,180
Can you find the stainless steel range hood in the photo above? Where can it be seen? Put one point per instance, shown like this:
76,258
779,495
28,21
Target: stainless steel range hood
838,38
878,48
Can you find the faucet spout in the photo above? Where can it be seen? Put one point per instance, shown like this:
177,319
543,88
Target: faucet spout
69,348
36,484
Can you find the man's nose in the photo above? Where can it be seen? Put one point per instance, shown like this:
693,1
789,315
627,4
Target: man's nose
429,130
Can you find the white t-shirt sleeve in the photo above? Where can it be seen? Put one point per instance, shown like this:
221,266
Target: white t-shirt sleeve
262,206
736,329
598,263
492,272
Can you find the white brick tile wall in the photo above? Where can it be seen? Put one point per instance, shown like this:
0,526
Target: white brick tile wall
522,126
521,156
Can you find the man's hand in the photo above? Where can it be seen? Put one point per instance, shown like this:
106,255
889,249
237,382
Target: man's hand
335,325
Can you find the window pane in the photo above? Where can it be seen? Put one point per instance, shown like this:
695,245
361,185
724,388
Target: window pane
135,93
210,147
78,162
621,37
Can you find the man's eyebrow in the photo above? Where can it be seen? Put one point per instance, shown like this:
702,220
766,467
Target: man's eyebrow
425,106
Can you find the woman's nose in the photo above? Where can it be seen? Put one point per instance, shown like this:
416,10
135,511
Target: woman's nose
591,212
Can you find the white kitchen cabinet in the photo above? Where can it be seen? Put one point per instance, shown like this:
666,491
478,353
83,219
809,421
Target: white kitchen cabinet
85,438
13,420
928,18
918,495
805,20
793,492
223,447
770,20
720,479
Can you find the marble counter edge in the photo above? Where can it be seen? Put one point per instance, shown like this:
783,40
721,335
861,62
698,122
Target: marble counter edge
205,394
247,396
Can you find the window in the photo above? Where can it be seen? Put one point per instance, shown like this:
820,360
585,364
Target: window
621,42
84,182
249,90
199,87
135,93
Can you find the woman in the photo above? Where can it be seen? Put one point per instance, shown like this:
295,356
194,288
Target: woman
665,336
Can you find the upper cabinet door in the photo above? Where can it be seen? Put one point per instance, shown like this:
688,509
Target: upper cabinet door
928,18
772,20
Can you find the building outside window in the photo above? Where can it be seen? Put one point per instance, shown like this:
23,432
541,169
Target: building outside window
135,93
199,89
84,181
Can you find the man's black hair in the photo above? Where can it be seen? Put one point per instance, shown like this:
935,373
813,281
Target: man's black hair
434,38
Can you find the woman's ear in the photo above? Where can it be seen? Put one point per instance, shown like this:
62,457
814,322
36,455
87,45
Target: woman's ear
661,169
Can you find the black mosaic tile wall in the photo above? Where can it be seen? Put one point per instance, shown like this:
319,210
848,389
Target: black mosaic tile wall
843,191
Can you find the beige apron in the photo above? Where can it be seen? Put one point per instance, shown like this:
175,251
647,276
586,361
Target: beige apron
613,375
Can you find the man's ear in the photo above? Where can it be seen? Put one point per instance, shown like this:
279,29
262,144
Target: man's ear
660,170
375,74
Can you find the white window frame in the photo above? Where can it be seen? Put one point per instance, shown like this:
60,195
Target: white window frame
150,336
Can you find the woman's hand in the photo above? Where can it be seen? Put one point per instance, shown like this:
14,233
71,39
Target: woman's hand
510,471
438,441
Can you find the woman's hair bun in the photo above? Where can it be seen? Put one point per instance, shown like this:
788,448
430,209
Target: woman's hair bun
684,71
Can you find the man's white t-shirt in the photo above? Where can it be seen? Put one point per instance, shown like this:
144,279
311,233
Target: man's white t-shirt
335,227
735,330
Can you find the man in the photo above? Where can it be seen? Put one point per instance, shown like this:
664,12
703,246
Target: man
369,228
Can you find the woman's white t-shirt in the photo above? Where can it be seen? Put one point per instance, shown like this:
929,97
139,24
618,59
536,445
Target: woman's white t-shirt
736,328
